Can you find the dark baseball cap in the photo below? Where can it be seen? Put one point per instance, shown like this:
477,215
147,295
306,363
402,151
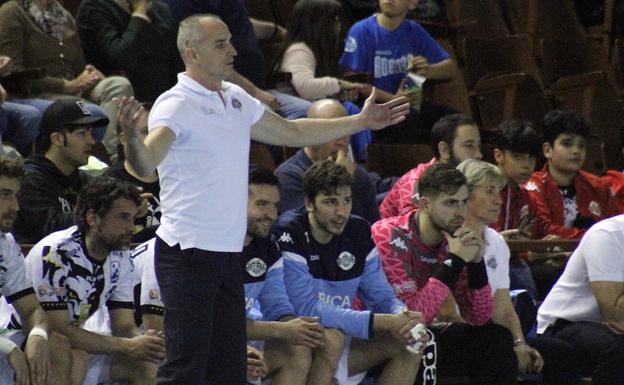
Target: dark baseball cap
66,112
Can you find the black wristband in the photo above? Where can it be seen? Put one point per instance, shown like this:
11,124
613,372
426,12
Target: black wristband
477,276
448,270
371,325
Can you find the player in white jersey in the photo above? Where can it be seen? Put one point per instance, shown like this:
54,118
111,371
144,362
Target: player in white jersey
32,364
78,270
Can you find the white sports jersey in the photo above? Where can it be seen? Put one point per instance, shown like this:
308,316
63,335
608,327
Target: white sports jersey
143,258
66,277
13,281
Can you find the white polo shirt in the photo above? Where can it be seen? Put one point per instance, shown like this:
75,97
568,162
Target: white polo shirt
599,257
203,178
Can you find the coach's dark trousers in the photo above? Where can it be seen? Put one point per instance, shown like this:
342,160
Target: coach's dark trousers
204,316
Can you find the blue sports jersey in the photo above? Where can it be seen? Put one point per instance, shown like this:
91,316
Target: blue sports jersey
323,280
384,54
263,275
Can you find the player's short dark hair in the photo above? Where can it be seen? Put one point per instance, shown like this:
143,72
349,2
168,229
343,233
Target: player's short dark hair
99,194
325,177
520,137
262,175
557,122
445,130
440,178
12,168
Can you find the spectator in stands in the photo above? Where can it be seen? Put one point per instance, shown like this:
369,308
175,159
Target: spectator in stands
148,219
82,268
386,47
52,179
584,308
311,51
430,256
517,148
455,138
485,181
32,363
249,63
42,34
290,173
136,38
565,199
19,124
328,259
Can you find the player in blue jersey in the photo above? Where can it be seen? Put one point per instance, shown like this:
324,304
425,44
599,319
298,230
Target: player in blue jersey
288,344
328,259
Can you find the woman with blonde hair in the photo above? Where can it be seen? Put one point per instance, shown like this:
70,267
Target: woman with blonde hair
555,357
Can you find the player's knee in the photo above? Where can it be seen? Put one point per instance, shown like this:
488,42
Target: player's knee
332,347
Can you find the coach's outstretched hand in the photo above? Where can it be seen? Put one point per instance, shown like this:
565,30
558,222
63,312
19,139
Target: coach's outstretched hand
377,116
130,112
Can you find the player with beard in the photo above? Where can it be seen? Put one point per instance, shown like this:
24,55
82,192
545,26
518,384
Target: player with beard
78,270
287,344
30,364
454,139
431,257
328,258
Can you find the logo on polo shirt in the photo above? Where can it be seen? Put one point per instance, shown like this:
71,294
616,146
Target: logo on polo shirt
346,260
256,267
492,263
237,104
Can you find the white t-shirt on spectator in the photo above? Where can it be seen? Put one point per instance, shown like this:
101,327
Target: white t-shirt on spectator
496,258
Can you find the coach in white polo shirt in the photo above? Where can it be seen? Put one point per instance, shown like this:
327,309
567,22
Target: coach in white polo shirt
199,133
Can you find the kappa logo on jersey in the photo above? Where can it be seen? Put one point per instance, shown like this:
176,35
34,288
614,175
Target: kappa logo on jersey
398,243
256,267
491,262
286,238
237,104
65,205
3,272
336,300
594,208
350,45
346,260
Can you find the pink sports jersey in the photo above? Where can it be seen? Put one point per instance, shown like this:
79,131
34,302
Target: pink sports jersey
408,262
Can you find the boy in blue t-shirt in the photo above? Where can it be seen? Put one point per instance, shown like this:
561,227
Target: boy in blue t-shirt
385,46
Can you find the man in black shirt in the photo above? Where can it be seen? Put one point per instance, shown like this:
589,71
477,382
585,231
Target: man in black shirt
52,179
